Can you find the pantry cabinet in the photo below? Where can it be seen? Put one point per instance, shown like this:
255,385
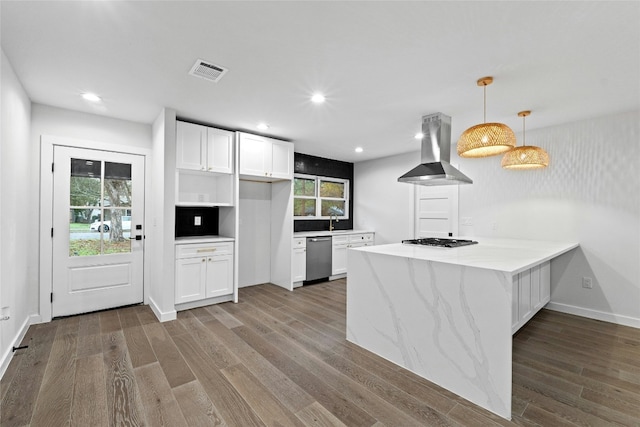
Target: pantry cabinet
203,270
265,159
202,148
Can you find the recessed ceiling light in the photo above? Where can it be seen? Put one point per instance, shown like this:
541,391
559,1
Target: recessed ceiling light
91,97
262,126
419,135
318,98
359,150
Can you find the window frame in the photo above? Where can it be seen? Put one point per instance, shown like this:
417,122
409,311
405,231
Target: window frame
318,179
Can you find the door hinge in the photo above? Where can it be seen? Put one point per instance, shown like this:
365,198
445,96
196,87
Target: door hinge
51,231
51,296
52,166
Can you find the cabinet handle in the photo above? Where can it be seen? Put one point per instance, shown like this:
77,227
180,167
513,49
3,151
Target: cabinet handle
206,250
203,260
209,259
210,168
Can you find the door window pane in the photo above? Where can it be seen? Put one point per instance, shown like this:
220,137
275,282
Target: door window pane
119,227
117,184
82,240
85,182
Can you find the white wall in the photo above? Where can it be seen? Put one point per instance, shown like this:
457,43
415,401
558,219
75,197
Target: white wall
55,121
18,265
590,194
382,203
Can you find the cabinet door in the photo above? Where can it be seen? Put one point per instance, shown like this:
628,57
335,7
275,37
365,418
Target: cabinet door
190,279
524,295
282,160
255,155
515,302
338,259
190,146
219,151
219,275
299,264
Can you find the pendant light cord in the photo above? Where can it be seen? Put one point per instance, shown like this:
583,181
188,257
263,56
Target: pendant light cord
524,132
484,107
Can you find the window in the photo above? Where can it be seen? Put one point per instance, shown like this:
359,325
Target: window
318,197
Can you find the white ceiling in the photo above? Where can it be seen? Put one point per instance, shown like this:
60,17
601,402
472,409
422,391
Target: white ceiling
381,65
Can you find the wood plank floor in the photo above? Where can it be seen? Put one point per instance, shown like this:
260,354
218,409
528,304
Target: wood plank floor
280,358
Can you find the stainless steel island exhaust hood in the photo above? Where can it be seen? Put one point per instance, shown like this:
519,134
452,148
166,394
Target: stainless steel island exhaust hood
435,168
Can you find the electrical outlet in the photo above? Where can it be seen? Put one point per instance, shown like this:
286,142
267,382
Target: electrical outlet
197,220
466,220
494,225
587,282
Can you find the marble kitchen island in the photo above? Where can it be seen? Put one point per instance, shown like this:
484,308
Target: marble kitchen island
448,314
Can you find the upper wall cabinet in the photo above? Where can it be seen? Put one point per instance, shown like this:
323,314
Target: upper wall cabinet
265,159
202,148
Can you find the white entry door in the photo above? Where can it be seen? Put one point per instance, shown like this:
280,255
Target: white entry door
436,213
98,235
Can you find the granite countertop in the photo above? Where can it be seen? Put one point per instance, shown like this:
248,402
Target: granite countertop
508,255
203,239
329,233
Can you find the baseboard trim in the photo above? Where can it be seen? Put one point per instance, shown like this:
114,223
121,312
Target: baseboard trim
595,314
8,354
162,316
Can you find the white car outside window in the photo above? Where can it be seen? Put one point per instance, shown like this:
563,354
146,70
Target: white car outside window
126,224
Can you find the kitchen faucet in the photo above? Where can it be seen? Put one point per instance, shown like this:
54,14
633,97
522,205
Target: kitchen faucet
331,221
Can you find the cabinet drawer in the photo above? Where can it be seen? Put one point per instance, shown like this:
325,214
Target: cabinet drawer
299,242
360,238
204,249
340,240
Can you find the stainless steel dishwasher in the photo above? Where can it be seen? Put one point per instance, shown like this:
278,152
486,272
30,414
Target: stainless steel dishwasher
318,257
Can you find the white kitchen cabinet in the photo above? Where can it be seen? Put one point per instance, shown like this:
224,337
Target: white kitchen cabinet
265,159
205,149
531,291
299,260
203,270
339,246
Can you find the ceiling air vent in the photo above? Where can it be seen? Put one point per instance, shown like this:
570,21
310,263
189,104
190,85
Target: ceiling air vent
207,70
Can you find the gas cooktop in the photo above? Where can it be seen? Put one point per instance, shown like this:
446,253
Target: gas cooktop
443,243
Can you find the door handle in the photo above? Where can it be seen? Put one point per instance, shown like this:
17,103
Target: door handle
135,238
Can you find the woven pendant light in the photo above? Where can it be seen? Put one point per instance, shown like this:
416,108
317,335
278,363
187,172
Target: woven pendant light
526,156
486,139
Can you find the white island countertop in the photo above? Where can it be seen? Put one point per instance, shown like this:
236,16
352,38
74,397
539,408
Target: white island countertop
507,255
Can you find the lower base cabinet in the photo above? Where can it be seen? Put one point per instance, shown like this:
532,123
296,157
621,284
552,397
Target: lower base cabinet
299,260
203,271
339,246
531,291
